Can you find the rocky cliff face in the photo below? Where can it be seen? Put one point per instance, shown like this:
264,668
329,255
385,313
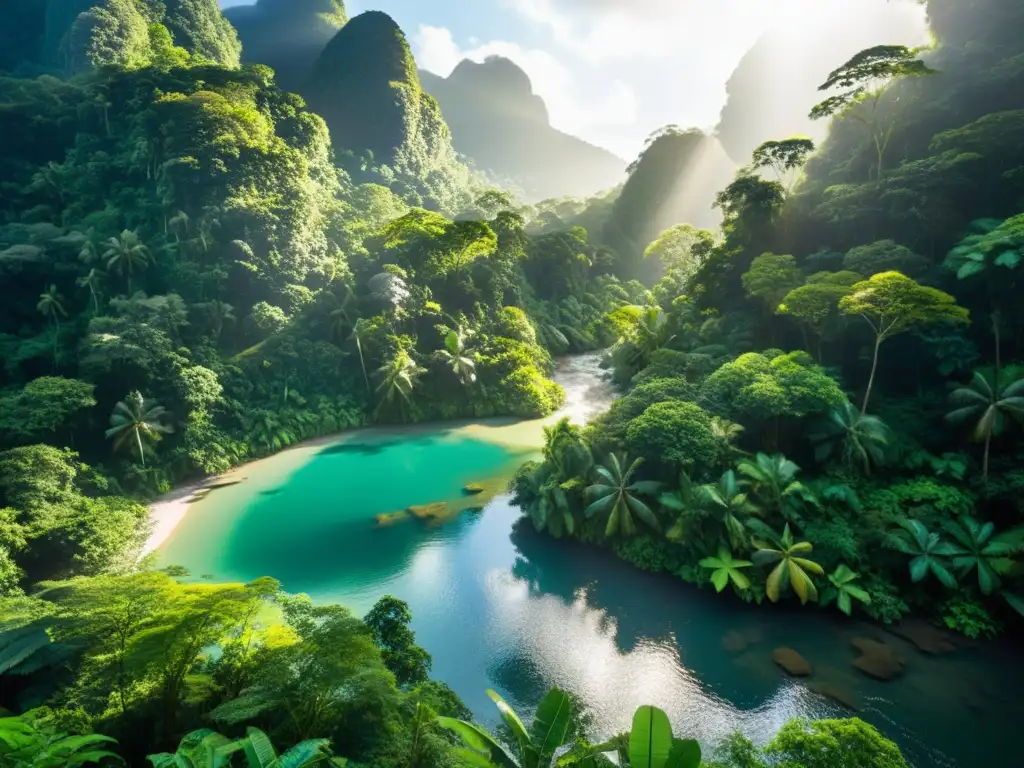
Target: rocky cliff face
287,35
498,122
365,85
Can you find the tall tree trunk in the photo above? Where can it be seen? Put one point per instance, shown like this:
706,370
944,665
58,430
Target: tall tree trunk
984,461
871,378
138,439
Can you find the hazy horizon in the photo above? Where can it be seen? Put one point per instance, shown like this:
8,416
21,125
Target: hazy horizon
613,71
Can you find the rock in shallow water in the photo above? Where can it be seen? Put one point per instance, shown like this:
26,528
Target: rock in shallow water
926,636
472,489
791,661
429,511
877,659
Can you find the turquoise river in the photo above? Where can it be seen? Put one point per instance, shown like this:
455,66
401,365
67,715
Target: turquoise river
519,612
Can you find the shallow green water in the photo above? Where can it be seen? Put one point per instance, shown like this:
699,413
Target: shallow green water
520,612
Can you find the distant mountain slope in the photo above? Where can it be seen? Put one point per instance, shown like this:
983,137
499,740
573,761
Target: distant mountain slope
497,120
287,35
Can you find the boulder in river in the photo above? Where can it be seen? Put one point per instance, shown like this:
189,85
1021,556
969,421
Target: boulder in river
877,659
472,489
390,518
791,661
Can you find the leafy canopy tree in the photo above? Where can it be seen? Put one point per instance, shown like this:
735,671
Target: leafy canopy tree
866,77
682,248
137,422
784,157
884,256
987,404
892,303
848,743
674,432
792,569
816,302
771,276
389,621
616,495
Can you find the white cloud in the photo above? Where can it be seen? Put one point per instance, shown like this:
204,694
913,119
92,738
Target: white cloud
584,106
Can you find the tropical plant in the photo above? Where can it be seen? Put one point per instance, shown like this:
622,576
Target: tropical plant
266,430
792,569
773,480
928,552
725,434
892,303
208,749
987,404
725,569
843,590
397,379
616,495
459,357
684,502
358,329
980,548
126,255
27,743
861,441
534,748
137,422
727,503
651,744
51,306
93,282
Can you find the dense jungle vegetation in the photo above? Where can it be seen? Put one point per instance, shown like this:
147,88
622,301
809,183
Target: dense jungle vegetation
199,269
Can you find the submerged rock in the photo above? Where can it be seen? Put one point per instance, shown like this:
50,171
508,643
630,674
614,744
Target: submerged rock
737,641
472,489
838,695
791,661
390,518
476,510
429,511
925,635
877,659
225,483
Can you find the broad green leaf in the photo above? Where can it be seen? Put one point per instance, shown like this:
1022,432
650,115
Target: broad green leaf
685,753
650,740
477,739
551,723
720,579
259,752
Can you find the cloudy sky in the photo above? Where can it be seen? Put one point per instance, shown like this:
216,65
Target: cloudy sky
612,71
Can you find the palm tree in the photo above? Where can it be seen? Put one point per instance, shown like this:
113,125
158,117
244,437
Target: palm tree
773,479
725,569
987,404
616,495
137,421
648,335
51,306
267,431
360,328
339,311
726,502
861,441
791,569
843,590
545,499
208,749
929,553
397,380
93,281
458,356
126,255
978,548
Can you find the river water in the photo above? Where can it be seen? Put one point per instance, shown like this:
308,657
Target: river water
520,612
